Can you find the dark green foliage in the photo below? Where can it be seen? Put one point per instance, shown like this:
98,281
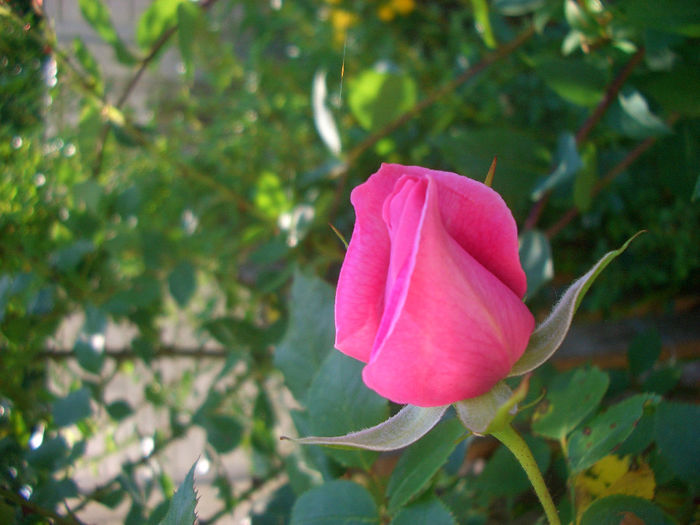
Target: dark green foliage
205,208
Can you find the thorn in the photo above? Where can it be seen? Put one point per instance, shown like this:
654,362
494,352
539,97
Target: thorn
342,71
340,235
491,173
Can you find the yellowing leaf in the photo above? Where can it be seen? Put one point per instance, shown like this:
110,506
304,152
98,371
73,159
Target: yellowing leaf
638,482
603,474
614,475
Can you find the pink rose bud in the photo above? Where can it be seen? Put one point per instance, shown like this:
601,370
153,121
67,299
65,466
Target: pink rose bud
430,293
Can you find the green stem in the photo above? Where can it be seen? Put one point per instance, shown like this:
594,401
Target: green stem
512,440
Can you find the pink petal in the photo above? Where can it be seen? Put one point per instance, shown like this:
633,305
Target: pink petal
359,300
450,329
479,220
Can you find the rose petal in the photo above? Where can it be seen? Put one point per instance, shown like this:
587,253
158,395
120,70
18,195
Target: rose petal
479,220
444,311
359,301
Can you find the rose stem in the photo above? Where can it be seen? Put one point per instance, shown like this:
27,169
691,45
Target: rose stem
513,442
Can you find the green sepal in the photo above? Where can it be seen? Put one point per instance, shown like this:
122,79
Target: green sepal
493,410
549,335
407,426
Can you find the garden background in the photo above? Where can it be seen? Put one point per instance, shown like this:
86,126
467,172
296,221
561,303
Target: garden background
175,180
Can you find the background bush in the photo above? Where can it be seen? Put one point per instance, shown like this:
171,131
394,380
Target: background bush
201,209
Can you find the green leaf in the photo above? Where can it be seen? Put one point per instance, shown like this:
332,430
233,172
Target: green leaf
52,492
182,283
89,64
568,163
182,507
189,18
339,502
574,80
112,498
310,333
672,16
642,435
119,409
674,90
432,511
89,357
160,16
338,402
631,117
614,510
536,258
469,151
72,408
405,427
482,22
67,259
643,352
549,335
570,398
517,7
87,194
580,19
377,98
50,455
663,379
96,13
278,508
224,432
604,432
420,462
678,438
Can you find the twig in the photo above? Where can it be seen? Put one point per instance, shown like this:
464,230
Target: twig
125,354
248,496
605,181
573,212
586,128
431,99
129,88
609,98
32,508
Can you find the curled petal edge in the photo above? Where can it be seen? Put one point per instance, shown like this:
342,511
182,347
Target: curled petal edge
407,426
549,335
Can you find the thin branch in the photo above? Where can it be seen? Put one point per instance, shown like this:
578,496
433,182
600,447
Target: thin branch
431,99
242,204
605,181
586,128
439,93
29,507
609,98
165,352
129,88
259,486
573,212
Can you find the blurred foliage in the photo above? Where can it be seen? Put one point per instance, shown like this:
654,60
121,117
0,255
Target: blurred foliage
198,209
